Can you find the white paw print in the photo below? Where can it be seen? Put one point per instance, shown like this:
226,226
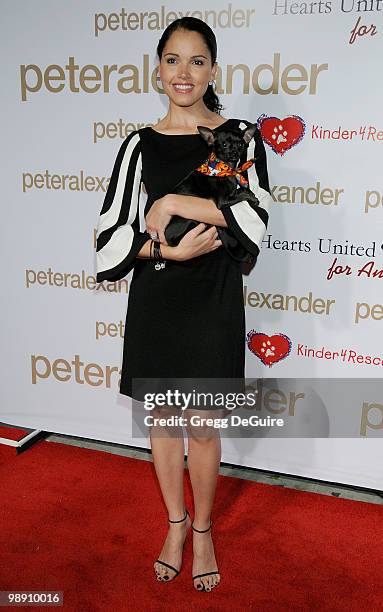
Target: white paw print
279,134
268,349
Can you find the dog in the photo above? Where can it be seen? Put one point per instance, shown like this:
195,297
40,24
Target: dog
219,178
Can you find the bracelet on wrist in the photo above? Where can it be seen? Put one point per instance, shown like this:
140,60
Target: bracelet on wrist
159,262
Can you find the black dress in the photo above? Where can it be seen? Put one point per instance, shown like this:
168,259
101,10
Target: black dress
186,320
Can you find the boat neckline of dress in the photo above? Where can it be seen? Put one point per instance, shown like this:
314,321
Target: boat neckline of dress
192,134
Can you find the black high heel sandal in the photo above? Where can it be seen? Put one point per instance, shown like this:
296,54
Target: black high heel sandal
166,578
206,573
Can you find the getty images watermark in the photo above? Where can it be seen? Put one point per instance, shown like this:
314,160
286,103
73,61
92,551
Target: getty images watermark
204,401
258,407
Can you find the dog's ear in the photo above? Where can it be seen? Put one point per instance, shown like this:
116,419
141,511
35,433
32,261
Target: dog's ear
249,132
207,134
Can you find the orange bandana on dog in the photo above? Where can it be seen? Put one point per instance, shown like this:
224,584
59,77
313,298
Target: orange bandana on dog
216,167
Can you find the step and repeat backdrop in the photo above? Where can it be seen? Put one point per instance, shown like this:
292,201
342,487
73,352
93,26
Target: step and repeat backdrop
77,78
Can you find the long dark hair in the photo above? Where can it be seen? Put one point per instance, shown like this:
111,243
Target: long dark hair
193,24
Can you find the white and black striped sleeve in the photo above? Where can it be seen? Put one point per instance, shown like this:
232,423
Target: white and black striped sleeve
118,237
247,221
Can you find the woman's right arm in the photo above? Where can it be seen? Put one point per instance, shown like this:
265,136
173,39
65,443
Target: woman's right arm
196,242
119,241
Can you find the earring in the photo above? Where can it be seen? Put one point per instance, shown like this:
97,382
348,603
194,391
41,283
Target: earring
211,83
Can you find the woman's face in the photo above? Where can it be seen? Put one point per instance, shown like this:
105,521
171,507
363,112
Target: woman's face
185,68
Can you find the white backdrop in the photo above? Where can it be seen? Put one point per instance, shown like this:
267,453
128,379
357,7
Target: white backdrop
317,87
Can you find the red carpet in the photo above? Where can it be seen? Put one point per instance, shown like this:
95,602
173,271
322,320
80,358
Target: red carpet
91,524
13,433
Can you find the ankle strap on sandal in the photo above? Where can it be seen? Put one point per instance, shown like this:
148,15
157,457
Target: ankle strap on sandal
203,530
183,519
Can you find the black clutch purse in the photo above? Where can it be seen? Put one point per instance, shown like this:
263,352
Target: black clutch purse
177,229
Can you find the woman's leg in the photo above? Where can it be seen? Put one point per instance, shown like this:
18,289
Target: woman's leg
168,452
204,455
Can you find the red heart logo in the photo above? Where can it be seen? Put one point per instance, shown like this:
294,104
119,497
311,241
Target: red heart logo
269,349
281,134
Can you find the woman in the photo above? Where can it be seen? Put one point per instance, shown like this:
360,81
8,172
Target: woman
186,318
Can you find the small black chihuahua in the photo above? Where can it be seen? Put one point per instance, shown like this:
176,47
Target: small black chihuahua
219,178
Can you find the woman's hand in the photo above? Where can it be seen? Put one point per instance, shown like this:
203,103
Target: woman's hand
197,241
159,216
